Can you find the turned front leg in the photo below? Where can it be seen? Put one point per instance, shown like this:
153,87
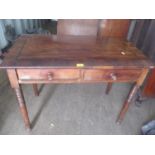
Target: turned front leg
131,95
127,103
22,106
12,75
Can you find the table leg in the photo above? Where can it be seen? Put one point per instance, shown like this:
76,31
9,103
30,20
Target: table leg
35,89
132,93
22,106
127,103
109,86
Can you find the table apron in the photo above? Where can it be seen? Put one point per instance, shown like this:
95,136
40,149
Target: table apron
77,75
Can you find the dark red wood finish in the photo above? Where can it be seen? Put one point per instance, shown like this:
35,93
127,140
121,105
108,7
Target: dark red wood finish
41,51
149,87
70,59
94,28
74,59
78,27
113,28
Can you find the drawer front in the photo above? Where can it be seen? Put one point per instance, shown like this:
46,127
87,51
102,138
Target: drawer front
111,75
48,74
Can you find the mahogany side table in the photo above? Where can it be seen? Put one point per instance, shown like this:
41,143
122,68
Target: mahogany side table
35,59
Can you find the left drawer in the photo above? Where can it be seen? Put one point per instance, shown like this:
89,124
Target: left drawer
48,74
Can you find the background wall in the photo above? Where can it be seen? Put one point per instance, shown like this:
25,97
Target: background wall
16,27
143,36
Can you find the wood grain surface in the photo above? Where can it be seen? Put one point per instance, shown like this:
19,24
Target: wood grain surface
66,51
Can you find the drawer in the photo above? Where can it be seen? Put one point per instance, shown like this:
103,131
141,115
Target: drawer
48,74
111,74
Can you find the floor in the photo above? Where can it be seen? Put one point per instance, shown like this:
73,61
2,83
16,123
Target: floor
72,109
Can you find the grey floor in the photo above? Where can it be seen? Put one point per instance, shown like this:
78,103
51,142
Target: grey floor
72,109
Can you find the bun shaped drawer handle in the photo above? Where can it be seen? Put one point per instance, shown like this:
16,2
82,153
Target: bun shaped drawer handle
113,76
50,76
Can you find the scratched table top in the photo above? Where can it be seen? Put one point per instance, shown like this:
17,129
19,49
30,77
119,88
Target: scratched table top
40,51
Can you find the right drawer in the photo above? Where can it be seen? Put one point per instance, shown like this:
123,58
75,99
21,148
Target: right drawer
111,75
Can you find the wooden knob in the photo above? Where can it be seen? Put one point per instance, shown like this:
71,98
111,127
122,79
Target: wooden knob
113,76
50,76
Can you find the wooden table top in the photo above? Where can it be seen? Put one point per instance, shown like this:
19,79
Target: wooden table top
40,51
